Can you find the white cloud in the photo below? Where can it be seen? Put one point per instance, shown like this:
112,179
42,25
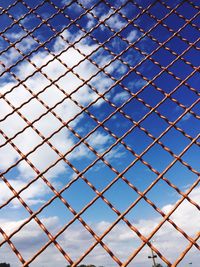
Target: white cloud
121,240
115,21
132,36
33,195
98,141
121,97
44,156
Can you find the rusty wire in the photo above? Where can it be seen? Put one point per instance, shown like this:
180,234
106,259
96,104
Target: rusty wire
100,124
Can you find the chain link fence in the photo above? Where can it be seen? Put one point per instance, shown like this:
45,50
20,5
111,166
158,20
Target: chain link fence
100,98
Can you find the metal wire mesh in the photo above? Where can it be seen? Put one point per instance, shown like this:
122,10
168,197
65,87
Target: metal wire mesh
78,53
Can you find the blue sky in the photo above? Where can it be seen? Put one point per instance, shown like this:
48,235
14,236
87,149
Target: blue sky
138,71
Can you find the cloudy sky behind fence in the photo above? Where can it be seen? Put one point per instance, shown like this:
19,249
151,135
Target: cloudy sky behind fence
94,85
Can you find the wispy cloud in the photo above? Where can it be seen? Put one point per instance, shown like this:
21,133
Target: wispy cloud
44,156
121,240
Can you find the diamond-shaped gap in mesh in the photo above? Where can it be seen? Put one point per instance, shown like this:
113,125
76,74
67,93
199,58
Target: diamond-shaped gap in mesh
13,215
151,96
31,22
58,213
6,21
54,69
119,157
166,239
181,69
160,37
170,141
186,122
193,82
163,57
191,157
185,33
145,22
143,216
140,175
88,122
183,214
130,33
99,212
118,124
27,44
51,96
50,255
79,194
106,84
76,157
118,69
68,115
100,140
13,37
164,157
180,175
170,22
97,33
43,33
159,10
116,21
135,109
132,58
101,56
60,174
46,10
122,241
177,45
162,194
146,44
170,109
107,111
119,95
11,158
75,239
88,21
125,199
130,10
18,10
39,154
155,128
117,45
100,175
75,10
187,10
185,96
149,69
18,96
69,82
33,236
55,21
35,194
137,140
33,110
166,82
132,80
